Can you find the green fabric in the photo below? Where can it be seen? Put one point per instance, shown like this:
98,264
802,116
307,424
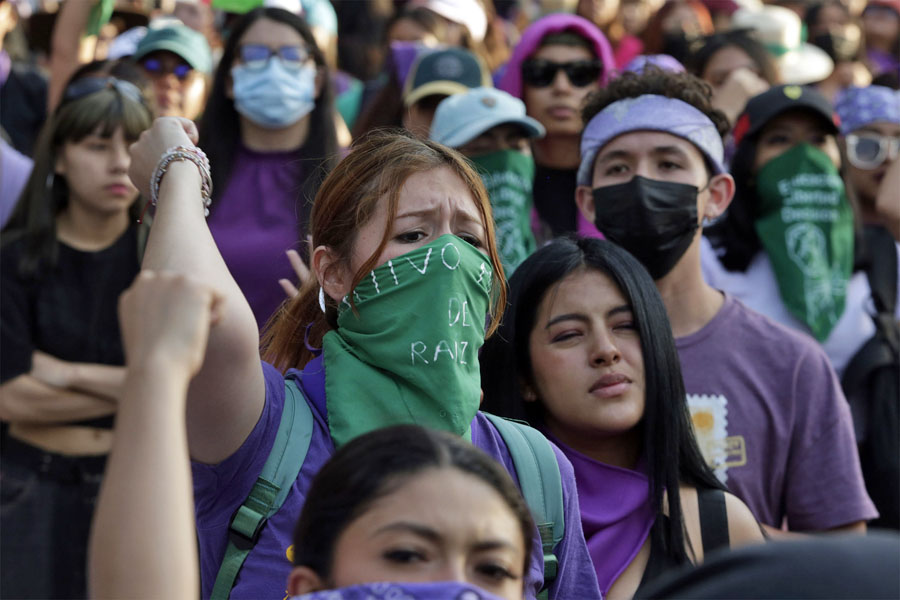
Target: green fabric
271,488
350,102
100,15
805,223
508,176
409,353
236,6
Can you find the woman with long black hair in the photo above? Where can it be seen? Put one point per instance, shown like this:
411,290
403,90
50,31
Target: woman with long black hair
585,353
269,130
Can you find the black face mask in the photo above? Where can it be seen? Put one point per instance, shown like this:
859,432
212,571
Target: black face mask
654,220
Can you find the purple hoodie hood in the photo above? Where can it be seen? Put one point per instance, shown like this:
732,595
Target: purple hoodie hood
511,82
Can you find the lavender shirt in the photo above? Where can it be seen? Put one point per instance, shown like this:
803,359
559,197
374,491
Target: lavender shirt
256,221
771,418
220,489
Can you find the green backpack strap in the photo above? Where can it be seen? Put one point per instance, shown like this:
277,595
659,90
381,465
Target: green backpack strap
271,487
541,486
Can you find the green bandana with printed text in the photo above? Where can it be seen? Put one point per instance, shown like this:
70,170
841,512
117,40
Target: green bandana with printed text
805,223
508,176
409,353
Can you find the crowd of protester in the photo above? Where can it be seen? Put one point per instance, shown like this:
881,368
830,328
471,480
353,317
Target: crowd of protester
357,299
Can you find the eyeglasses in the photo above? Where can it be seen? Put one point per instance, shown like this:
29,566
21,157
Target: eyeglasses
91,85
541,73
155,67
256,56
868,150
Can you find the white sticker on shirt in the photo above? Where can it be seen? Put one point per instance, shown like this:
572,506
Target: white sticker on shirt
709,415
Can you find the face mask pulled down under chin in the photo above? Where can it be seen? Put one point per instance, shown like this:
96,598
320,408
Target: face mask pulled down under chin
653,220
274,97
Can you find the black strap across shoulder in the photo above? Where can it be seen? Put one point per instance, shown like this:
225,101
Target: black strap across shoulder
713,520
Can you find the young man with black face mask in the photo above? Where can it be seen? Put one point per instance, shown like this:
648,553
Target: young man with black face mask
767,408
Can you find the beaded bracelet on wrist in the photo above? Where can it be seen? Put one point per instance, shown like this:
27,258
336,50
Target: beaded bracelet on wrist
183,153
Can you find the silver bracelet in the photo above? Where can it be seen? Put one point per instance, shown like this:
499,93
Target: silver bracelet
183,153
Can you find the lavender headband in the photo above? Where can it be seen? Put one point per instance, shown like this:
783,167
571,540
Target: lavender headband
649,113
857,107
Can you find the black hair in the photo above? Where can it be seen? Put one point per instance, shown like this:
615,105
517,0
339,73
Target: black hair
761,57
568,38
375,465
668,443
660,82
220,125
46,194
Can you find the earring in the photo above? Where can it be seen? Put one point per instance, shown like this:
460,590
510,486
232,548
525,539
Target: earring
322,299
528,394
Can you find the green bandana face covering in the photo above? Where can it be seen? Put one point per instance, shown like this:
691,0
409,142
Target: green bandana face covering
508,176
410,352
805,224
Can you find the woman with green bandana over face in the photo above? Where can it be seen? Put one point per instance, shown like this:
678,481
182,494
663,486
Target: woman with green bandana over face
406,272
786,246
491,129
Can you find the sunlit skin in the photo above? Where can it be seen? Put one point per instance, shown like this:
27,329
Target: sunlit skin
791,128
558,105
585,328
724,62
440,525
867,181
653,155
96,173
506,136
430,204
176,97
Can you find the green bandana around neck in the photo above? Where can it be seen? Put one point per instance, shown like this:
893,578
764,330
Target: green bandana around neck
409,353
508,176
805,223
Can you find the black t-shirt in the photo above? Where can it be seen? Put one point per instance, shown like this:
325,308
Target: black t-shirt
69,311
554,199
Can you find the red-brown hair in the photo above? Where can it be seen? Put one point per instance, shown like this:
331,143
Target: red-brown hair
375,169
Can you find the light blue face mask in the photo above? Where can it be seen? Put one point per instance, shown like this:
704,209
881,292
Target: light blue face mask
274,96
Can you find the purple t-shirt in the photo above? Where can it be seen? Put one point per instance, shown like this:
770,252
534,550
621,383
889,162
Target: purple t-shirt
771,419
256,221
220,489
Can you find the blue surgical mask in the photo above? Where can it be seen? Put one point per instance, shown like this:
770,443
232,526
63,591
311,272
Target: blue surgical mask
274,96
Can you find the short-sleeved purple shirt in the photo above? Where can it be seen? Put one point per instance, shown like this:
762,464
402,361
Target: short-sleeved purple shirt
771,419
220,489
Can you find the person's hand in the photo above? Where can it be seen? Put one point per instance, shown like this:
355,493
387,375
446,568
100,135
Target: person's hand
887,202
731,97
165,320
300,269
50,370
165,133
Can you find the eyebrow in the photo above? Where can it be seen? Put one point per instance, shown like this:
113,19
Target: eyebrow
624,154
624,308
415,528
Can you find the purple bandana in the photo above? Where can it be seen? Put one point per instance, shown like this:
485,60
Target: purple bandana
441,590
859,106
649,113
663,61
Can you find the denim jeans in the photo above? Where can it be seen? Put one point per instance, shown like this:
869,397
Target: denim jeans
46,504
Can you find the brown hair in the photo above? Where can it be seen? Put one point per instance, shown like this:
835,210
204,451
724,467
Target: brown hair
376,167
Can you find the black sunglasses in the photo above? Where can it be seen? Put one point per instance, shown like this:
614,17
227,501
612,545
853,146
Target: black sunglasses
91,85
541,73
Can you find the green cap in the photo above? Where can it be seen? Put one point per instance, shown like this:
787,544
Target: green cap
181,40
